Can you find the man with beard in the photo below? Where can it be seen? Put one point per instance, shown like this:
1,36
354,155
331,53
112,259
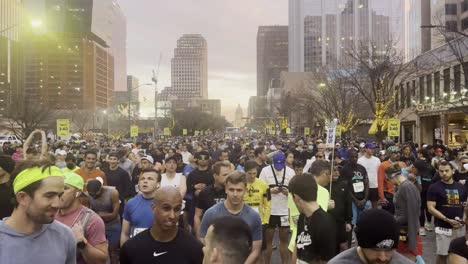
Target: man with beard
376,242
32,234
138,215
164,242
445,200
212,194
86,225
371,163
89,170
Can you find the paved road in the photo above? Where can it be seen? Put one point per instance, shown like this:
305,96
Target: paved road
429,249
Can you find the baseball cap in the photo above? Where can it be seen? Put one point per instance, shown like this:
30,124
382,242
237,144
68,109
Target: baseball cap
392,149
61,152
127,145
74,180
385,235
279,161
94,186
202,155
148,158
362,145
369,145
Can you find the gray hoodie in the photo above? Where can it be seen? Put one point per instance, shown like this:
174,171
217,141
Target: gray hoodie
54,243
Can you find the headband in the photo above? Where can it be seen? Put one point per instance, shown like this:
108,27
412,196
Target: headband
32,175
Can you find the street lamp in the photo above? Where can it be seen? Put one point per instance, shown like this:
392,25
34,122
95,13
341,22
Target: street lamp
129,90
446,28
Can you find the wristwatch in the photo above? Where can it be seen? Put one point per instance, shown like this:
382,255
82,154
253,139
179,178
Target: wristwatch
82,244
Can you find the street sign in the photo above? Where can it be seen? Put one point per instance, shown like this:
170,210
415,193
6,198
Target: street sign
167,131
196,133
288,131
331,134
393,127
338,131
134,131
306,131
184,132
63,127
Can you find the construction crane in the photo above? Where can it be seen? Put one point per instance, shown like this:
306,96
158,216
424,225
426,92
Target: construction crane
155,80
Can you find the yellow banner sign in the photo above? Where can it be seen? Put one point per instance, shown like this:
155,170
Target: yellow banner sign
393,128
63,127
167,131
134,131
338,131
306,131
184,132
288,131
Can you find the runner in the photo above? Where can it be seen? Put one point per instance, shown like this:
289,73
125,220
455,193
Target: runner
260,159
31,230
164,242
86,225
172,178
385,187
371,164
236,187
257,195
138,214
212,194
277,176
445,200
105,202
376,242
228,240
118,178
89,170
315,242
407,206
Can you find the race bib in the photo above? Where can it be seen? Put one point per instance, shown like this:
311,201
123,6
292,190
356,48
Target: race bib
284,221
443,231
138,230
358,187
301,262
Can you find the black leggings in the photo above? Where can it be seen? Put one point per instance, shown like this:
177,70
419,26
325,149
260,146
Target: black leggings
424,215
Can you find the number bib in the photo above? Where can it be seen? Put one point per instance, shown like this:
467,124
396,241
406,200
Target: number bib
443,231
358,187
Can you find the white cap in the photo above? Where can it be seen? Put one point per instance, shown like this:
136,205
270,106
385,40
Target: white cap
148,158
127,145
61,152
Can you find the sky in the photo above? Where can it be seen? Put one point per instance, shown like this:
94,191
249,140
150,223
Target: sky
230,29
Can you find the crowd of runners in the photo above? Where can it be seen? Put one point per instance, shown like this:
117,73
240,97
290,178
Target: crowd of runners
211,199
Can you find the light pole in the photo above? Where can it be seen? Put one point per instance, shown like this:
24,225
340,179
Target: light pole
444,27
129,90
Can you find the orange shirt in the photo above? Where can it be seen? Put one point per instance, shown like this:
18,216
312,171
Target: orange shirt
384,184
92,175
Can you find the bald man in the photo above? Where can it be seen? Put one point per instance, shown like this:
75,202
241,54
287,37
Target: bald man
164,241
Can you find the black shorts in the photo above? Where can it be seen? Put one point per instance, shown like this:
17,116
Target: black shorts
341,235
373,194
275,221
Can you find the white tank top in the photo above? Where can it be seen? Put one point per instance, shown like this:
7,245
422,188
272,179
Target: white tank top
175,182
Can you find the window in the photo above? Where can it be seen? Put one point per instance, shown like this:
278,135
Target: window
421,89
451,25
457,80
465,23
446,94
408,94
397,98
436,86
402,96
451,9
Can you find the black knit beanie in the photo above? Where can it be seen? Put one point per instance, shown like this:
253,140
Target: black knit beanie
377,228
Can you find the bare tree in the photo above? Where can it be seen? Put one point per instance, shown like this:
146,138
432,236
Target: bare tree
376,74
82,119
22,121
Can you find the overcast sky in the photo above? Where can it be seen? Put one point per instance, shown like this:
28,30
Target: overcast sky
230,28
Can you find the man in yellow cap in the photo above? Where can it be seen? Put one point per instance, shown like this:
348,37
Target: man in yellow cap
32,234
87,226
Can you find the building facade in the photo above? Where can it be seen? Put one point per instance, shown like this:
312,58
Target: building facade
189,68
11,14
128,98
434,101
272,55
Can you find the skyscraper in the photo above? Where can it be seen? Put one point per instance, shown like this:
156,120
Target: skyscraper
272,55
322,30
69,62
118,47
417,39
189,68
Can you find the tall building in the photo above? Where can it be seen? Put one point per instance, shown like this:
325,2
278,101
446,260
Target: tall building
272,55
69,61
118,47
11,13
418,40
238,122
320,31
451,14
128,98
189,68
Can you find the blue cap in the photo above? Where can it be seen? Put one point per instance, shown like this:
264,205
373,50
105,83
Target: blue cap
369,145
279,161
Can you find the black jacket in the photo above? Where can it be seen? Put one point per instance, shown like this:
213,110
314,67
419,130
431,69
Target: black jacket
342,212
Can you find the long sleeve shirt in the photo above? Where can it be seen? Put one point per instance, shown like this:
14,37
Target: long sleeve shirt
407,208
